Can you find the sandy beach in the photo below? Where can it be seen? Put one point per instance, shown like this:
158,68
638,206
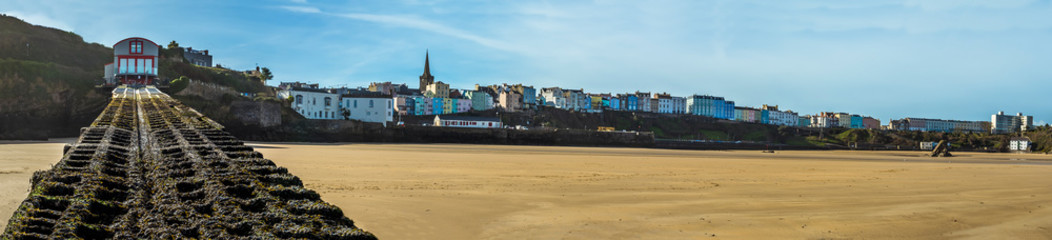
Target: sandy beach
449,191
18,161
445,191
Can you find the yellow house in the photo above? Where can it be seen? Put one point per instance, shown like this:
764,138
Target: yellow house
447,105
597,102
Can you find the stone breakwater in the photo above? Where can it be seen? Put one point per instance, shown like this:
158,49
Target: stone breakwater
151,168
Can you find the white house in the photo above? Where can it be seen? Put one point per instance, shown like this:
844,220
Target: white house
679,105
315,103
553,97
467,122
1019,144
822,122
664,103
368,107
775,117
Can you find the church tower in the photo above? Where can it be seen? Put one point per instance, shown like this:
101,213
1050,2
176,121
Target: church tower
426,78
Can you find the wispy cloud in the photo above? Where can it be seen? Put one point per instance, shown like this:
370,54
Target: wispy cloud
425,25
302,9
413,22
808,56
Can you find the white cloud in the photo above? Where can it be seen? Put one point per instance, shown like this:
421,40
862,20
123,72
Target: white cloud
40,19
415,23
302,9
420,24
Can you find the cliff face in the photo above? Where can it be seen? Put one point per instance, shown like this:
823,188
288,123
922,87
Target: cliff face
262,114
46,81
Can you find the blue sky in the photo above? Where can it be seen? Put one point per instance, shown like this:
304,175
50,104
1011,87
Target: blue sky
949,59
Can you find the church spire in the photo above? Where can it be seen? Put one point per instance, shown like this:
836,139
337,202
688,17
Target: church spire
426,78
427,67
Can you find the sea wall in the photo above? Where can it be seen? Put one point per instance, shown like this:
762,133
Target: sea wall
354,131
563,137
263,114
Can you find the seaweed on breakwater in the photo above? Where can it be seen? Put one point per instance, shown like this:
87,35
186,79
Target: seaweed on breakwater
151,168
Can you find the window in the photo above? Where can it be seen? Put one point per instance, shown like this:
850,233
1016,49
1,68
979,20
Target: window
125,65
328,101
356,103
370,103
135,47
299,99
148,66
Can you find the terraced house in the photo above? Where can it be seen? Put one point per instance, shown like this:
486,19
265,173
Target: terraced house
771,115
315,103
367,107
710,106
553,97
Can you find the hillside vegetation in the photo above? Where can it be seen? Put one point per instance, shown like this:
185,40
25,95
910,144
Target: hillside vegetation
172,66
46,81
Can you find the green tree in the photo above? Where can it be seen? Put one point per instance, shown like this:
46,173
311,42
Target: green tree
265,75
179,84
173,45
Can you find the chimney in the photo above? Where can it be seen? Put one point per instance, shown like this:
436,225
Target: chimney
206,52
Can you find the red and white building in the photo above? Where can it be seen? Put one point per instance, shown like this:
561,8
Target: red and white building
467,122
134,62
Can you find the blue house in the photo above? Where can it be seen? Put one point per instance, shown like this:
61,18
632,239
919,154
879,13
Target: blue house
436,106
631,103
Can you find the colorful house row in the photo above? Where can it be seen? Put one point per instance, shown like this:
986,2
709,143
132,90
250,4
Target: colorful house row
578,100
840,119
420,105
766,115
569,99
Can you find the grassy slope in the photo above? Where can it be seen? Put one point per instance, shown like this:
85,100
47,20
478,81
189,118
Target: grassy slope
46,79
173,66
